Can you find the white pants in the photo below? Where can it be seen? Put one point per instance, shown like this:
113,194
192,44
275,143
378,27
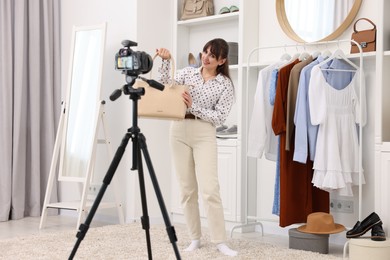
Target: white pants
194,146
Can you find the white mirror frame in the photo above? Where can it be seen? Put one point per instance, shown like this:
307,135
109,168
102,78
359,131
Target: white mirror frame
288,30
82,102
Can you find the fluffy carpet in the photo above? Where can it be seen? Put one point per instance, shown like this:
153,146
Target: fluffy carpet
128,242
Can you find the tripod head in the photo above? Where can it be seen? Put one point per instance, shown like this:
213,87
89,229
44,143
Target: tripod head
135,93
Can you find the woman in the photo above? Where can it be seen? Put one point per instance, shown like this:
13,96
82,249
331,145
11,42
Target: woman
193,140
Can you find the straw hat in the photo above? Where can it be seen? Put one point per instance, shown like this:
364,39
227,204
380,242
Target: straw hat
321,223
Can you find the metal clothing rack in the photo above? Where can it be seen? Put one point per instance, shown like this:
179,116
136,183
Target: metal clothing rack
256,220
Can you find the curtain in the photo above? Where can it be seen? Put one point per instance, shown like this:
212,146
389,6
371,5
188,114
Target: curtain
30,94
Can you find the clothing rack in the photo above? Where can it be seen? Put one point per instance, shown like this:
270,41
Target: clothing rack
255,220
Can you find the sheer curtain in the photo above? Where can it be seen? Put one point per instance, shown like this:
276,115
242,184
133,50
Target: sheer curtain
30,93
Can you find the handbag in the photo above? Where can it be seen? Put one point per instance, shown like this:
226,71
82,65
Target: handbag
197,8
167,104
366,38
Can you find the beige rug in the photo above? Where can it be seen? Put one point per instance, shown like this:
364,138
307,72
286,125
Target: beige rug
128,242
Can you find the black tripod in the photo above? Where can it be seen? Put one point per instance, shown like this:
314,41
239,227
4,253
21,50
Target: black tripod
139,144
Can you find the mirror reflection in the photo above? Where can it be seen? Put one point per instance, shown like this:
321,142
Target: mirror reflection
315,20
83,100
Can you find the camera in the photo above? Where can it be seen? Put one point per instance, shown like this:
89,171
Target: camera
133,63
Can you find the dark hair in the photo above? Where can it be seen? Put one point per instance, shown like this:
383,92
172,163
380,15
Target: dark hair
220,49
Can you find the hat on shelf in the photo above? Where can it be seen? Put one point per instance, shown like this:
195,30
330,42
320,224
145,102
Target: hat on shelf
321,223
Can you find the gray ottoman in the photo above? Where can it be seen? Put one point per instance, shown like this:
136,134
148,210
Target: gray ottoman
308,242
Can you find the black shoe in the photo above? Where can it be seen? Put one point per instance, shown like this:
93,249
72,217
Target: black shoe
377,233
361,228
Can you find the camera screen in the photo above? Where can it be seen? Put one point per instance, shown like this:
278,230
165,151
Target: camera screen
125,62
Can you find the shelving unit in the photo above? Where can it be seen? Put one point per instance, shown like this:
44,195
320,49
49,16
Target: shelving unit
190,36
382,120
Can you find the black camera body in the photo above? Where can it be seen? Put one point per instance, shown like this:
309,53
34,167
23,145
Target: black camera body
133,63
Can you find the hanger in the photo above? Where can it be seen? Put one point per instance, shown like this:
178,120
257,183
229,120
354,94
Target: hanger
339,54
285,55
304,55
326,54
316,54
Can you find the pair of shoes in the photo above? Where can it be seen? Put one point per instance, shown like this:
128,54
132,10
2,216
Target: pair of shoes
194,62
221,128
230,132
231,9
377,233
361,228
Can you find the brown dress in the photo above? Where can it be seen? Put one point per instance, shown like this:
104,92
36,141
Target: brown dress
298,197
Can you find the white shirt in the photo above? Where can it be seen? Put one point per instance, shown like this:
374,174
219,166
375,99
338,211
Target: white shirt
261,138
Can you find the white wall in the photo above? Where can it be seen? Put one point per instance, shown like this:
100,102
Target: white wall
126,19
149,23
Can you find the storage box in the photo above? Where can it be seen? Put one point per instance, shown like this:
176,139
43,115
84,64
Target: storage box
308,242
365,248
233,53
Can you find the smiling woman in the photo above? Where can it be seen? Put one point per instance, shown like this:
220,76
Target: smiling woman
315,20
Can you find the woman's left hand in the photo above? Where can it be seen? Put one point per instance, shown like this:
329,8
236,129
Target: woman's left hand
187,99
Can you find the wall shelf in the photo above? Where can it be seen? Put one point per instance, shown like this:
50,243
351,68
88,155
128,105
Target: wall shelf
218,18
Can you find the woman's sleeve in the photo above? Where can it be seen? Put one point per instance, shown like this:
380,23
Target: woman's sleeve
164,69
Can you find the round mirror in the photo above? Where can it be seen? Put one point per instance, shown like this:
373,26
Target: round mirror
316,20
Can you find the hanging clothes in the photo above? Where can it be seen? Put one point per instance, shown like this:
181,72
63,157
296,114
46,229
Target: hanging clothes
261,138
298,197
335,107
306,132
272,95
292,91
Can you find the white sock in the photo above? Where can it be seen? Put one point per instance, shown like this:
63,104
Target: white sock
224,249
195,244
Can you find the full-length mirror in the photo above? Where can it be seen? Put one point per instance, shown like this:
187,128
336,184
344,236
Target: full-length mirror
316,20
82,101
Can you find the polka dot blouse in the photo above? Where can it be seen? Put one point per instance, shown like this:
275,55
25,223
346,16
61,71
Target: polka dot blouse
211,100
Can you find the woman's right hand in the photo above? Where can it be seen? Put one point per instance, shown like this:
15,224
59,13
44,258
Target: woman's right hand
163,53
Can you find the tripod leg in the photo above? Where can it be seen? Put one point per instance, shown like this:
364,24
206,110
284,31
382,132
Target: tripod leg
106,181
170,229
145,216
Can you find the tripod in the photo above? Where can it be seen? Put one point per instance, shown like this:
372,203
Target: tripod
139,144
